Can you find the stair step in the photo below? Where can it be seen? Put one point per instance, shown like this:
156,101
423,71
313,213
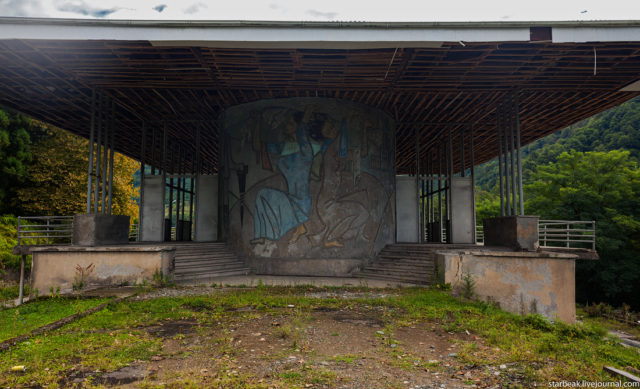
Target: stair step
208,256
417,281
208,271
207,264
195,277
398,272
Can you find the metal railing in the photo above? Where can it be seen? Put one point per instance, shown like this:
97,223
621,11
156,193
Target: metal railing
44,230
560,233
479,234
134,232
567,233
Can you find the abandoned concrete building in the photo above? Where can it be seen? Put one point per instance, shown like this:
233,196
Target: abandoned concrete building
315,149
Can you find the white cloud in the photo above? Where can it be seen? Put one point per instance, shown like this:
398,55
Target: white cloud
359,10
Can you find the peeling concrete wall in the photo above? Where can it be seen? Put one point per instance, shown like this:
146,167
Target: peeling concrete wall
520,282
307,178
61,267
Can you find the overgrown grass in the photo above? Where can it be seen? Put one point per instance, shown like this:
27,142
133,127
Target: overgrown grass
538,350
20,320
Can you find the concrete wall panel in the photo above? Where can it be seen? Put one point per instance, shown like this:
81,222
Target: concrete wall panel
57,267
520,282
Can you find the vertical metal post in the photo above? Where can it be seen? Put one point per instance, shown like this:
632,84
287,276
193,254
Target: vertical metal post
505,155
449,184
473,182
196,172
107,130
191,197
96,188
440,193
514,201
142,174
153,151
47,229
462,161
517,118
171,169
500,172
23,259
111,152
91,136
420,221
164,176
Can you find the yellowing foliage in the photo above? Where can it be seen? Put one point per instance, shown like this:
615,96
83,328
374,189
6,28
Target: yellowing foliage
58,178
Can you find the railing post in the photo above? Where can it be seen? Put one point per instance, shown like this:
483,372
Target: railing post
593,234
48,231
21,291
567,233
19,220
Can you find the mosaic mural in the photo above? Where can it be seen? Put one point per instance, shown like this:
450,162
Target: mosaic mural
308,177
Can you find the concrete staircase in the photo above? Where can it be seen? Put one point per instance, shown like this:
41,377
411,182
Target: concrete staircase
203,261
404,263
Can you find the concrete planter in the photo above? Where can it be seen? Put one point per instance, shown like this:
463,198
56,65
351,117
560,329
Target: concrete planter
516,232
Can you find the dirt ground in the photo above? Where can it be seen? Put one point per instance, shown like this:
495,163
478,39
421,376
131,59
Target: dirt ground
325,348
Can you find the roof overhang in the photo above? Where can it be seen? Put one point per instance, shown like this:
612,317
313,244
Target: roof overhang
423,74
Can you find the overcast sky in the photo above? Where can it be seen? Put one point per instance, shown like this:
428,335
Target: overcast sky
343,10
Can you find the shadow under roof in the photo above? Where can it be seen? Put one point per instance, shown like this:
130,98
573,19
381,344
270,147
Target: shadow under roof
427,76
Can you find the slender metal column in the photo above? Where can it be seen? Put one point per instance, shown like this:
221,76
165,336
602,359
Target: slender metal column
517,118
91,136
164,176
420,221
179,188
473,180
171,187
107,130
96,188
111,152
197,178
142,174
500,172
153,151
505,154
514,188
449,184
440,193
462,167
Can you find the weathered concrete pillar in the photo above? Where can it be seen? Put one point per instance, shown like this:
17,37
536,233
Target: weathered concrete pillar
206,222
406,210
462,210
152,223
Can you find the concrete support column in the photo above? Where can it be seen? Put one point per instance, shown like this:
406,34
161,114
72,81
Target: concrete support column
153,209
206,223
406,206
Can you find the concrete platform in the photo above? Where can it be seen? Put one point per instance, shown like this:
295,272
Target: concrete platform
254,280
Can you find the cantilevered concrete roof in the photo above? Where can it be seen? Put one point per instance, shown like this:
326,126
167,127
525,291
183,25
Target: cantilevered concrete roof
425,75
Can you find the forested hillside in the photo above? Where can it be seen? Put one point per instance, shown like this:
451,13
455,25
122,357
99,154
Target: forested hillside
588,171
43,171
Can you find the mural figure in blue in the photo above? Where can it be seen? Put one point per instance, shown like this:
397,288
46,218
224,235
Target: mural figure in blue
277,212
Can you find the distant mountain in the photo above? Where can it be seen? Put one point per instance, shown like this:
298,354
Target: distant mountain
615,129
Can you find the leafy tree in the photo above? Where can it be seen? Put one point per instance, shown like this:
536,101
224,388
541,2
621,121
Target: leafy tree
57,180
15,155
600,186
